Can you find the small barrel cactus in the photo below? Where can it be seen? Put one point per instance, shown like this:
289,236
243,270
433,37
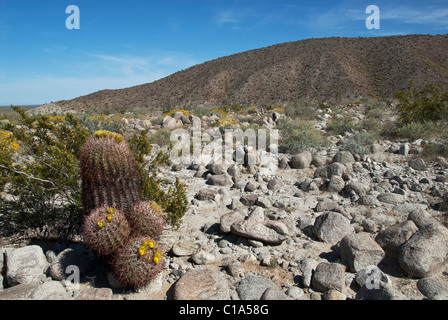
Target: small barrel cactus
106,229
146,219
138,262
109,174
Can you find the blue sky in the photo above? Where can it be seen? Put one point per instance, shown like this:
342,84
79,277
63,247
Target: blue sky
125,43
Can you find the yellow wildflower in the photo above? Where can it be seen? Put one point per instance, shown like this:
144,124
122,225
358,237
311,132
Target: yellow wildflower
157,257
109,218
141,251
101,224
110,210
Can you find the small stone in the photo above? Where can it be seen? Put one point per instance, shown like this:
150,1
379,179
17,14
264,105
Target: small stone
308,267
433,288
329,276
201,284
47,289
391,198
295,292
203,257
184,248
418,164
94,294
301,160
333,295
253,287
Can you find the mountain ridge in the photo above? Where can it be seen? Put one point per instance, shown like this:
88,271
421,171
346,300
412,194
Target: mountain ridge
313,69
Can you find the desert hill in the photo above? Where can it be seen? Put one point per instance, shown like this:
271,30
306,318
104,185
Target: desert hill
312,69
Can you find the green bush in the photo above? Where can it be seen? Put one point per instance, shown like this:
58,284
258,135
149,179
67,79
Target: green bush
417,130
296,136
161,137
371,125
95,122
44,191
339,126
427,104
359,143
171,197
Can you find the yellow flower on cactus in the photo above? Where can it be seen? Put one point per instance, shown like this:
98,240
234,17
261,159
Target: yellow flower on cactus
109,217
101,224
110,210
157,257
141,251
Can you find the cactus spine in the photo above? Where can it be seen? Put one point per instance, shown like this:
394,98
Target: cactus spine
109,173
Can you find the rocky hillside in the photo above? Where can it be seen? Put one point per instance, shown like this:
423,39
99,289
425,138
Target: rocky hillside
324,69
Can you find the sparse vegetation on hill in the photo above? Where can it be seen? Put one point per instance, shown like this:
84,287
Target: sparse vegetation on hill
329,69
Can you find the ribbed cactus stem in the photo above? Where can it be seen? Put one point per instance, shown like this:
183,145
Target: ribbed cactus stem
138,262
105,230
109,173
147,219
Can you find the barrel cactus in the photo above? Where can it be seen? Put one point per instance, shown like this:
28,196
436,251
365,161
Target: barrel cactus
147,219
109,174
105,230
138,262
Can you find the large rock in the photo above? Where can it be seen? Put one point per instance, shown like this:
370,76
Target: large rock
343,157
359,251
418,164
220,180
301,160
433,288
253,287
391,198
229,218
328,276
201,284
208,194
25,265
425,253
256,227
169,123
396,235
357,187
50,290
331,227
336,184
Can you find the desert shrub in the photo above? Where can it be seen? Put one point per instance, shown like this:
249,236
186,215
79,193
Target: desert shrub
417,130
44,191
341,125
427,104
296,136
8,148
371,125
301,110
436,149
160,137
359,143
171,197
95,122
